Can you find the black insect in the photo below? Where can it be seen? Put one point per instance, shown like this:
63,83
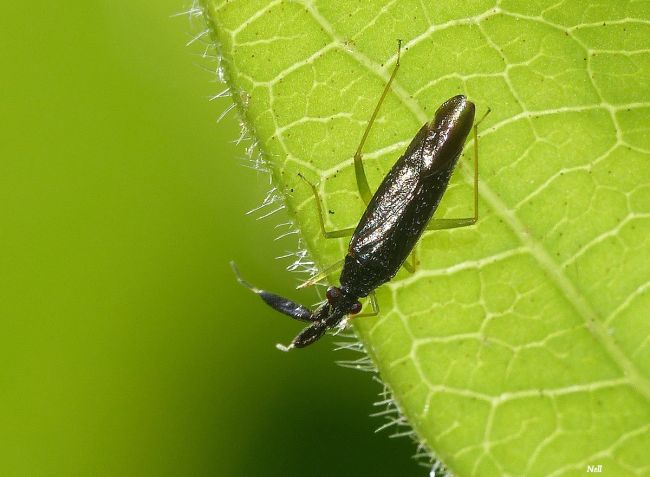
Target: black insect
395,218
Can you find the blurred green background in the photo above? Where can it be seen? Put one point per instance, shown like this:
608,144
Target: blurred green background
127,348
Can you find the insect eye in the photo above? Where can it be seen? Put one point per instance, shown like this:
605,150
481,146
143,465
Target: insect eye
355,308
333,294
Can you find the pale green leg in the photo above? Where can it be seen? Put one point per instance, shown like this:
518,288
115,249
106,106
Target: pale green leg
374,304
366,194
441,224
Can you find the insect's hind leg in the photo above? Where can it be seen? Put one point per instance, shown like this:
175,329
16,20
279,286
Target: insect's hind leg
321,218
359,171
441,224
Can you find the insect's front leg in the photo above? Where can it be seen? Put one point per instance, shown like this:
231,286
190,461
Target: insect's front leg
322,275
374,305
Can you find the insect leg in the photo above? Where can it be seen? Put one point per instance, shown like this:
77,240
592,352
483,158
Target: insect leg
359,171
412,264
322,275
327,234
373,304
281,304
440,224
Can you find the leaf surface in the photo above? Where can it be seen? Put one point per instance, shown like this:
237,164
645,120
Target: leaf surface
521,346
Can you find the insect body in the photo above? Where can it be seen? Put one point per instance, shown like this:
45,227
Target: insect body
401,208
395,218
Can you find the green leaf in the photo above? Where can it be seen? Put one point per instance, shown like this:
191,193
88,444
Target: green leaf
521,346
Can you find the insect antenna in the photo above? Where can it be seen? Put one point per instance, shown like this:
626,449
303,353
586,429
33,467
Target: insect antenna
277,302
